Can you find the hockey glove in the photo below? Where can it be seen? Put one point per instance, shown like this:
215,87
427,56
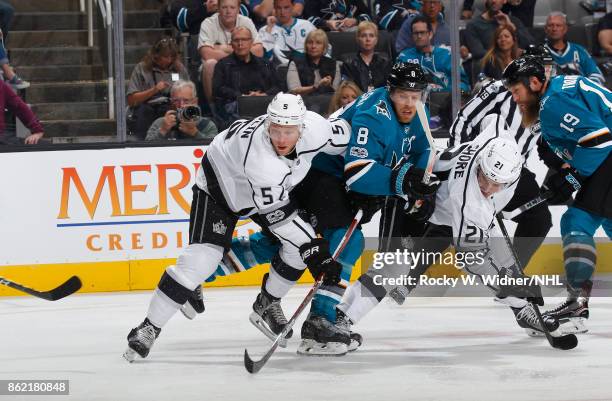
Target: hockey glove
407,179
369,204
562,185
318,259
421,209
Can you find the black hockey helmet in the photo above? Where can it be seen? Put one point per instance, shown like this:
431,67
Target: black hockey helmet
520,69
407,76
539,51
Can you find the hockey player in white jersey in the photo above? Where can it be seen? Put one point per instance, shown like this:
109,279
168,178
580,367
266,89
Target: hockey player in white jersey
534,224
478,179
249,170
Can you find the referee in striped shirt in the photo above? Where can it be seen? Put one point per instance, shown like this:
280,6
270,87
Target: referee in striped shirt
494,98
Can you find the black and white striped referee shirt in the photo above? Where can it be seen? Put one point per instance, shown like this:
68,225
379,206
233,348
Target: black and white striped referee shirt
494,98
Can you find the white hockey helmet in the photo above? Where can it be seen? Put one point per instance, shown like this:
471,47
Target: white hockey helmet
286,109
501,161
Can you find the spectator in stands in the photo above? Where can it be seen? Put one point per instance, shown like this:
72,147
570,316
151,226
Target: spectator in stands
604,36
265,8
345,94
284,35
214,42
368,69
334,15
184,119
503,50
13,103
316,73
479,31
521,9
9,74
432,11
241,74
6,16
187,15
435,61
570,57
149,87
391,13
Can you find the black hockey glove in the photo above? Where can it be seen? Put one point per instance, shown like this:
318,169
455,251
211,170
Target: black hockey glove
369,204
562,185
318,259
547,155
407,179
421,209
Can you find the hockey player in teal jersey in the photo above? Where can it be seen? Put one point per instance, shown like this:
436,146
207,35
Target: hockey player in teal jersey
576,117
388,151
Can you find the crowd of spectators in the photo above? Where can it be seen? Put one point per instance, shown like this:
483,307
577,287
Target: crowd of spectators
261,47
257,48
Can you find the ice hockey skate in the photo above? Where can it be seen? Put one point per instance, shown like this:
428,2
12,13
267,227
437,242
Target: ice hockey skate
194,305
140,340
526,318
573,313
320,337
268,315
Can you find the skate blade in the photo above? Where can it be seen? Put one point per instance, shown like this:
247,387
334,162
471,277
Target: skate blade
573,325
353,346
130,355
313,348
188,311
261,326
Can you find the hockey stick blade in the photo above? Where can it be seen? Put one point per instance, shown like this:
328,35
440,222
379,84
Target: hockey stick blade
72,285
255,366
565,342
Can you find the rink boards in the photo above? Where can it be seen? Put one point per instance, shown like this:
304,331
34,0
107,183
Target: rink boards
118,217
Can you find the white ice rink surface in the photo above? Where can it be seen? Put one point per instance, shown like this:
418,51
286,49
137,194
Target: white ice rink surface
427,349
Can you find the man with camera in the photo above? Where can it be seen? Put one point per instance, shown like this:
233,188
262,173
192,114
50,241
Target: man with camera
184,119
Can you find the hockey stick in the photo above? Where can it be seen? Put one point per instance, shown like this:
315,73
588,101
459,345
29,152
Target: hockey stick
255,366
565,342
72,285
529,205
422,115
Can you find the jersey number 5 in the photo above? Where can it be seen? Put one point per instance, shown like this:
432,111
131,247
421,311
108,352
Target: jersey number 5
570,119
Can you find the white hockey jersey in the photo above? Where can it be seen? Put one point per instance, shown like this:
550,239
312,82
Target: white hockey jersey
459,201
286,42
242,170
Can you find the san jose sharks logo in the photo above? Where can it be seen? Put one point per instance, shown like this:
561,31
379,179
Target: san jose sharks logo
407,143
336,9
381,108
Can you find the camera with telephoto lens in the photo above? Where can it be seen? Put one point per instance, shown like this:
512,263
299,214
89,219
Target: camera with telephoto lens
188,113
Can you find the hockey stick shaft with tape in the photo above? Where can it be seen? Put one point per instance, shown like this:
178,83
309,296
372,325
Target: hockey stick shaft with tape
422,116
255,366
565,342
529,205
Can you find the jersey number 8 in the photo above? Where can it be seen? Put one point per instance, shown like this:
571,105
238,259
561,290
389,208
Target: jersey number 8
362,136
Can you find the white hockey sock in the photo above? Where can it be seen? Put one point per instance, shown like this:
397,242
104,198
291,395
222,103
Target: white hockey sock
161,309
